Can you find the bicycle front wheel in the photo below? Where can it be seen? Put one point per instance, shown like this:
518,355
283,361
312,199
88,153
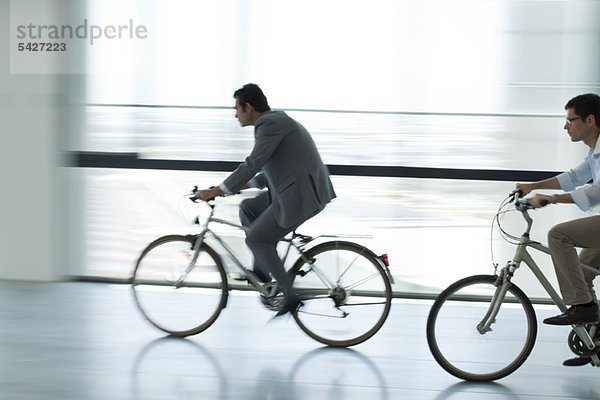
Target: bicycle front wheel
346,293
175,296
459,340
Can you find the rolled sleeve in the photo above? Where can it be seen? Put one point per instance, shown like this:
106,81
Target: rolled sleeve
576,177
587,196
565,182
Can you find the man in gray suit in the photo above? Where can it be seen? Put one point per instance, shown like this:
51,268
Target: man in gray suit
286,160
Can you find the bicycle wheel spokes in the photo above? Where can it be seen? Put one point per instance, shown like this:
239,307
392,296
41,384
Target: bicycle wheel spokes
463,348
174,297
346,294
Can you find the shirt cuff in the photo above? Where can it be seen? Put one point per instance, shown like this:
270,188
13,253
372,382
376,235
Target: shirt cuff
565,182
581,200
224,188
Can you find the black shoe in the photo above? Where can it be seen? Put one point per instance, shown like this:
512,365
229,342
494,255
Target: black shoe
575,315
577,361
290,306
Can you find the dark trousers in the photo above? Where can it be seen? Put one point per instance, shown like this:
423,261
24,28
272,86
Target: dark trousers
262,237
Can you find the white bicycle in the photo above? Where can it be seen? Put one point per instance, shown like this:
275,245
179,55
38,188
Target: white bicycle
483,327
180,284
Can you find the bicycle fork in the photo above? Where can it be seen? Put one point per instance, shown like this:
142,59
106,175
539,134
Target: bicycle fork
501,288
192,264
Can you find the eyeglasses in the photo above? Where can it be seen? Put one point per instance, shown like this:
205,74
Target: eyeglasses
570,120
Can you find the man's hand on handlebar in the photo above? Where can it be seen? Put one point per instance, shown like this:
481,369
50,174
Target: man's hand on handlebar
208,194
540,200
526,188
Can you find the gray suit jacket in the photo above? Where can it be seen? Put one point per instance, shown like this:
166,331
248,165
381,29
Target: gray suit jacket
298,180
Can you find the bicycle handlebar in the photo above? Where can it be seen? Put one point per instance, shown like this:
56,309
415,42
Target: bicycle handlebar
520,203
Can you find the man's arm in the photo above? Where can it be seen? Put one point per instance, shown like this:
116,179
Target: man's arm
209,194
541,200
584,197
550,183
267,138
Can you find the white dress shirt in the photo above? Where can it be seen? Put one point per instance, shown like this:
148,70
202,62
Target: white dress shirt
587,196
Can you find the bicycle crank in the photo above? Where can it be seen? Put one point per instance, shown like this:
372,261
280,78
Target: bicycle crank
577,345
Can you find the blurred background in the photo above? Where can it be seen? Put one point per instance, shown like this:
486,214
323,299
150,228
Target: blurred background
442,106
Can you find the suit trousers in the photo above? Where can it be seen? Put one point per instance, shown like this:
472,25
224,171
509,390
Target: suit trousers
576,284
262,237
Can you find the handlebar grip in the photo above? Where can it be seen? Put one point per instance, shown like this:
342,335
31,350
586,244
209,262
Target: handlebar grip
515,195
194,190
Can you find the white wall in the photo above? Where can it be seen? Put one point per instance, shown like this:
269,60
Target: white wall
37,112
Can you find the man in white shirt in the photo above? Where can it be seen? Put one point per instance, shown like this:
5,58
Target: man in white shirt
582,125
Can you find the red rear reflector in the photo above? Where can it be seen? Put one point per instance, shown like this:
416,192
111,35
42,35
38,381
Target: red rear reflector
384,258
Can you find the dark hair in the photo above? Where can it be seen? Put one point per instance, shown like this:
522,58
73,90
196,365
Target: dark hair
253,95
586,104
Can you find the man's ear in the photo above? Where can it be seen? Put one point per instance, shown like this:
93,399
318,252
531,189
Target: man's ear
591,119
248,107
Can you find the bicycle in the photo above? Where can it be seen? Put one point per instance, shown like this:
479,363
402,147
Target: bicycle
180,284
483,327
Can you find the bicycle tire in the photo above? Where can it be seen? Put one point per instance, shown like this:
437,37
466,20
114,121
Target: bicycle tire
179,308
358,287
452,331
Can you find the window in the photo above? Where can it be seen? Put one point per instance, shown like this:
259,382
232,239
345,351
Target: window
438,84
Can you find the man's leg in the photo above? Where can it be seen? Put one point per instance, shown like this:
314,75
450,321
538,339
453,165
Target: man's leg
590,257
262,239
250,210
562,240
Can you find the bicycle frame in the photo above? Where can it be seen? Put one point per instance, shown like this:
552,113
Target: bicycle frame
251,276
522,255
205,230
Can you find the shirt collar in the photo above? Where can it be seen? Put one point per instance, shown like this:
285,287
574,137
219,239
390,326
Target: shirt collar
596,150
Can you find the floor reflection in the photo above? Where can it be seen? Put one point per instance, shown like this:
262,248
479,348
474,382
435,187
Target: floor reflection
174,367
341,370
475,390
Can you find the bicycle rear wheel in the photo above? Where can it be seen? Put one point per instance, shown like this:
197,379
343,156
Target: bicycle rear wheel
346,293
174,302
460,345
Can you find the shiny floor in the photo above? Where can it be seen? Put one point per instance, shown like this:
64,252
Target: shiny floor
88,341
